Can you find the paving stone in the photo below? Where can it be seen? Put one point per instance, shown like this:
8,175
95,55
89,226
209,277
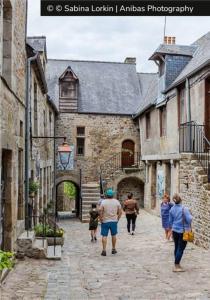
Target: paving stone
141,270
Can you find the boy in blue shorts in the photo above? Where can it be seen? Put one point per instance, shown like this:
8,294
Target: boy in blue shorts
109,214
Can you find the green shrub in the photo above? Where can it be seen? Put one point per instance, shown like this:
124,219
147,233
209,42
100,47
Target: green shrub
6,260
33,187
48,231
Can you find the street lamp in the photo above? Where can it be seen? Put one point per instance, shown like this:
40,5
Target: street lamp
64,152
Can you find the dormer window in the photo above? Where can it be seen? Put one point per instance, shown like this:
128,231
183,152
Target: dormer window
161,68
68,91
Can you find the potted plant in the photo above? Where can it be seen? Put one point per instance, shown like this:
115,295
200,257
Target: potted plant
6,262
51,234
33,188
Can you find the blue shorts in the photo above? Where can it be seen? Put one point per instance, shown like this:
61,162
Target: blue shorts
105,227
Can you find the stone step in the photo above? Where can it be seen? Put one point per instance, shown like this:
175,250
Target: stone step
90,194
88,199
90,186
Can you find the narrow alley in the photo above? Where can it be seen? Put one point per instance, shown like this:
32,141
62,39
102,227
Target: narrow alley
142,268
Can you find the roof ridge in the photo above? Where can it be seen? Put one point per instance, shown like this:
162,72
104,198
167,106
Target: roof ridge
90,61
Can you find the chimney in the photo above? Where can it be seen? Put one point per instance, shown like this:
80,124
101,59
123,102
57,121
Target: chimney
130,60
169,40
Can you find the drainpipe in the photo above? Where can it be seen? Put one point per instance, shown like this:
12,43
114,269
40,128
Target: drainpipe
27,136
188,100
187,85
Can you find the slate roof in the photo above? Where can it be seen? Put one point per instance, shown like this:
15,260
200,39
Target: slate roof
200,58
104,87
174,50
38,43
148,83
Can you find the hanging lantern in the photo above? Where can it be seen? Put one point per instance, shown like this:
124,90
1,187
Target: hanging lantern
64,152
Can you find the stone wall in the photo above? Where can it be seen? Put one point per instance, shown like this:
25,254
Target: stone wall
104,135
42,158
131,185
12,116
195,194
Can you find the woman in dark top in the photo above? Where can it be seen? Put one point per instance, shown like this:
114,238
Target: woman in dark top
93,224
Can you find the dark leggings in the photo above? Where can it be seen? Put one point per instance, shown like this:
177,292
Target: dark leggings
131,217
180,245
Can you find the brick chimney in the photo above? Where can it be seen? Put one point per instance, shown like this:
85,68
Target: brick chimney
130,60
169,40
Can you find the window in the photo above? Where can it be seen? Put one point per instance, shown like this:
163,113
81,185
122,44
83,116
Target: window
81,141
163,121
68,91
50,123
148,126
20,210
161,68
35,110
80,131
182,106
7,41
21,128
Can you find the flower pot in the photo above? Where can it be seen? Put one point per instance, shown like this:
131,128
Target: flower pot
58,241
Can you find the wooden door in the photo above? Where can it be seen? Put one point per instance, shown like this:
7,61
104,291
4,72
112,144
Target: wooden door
128,153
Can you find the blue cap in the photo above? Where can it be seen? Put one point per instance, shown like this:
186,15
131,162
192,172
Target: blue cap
109,193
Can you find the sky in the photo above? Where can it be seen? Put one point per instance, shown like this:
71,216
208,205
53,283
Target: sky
111,38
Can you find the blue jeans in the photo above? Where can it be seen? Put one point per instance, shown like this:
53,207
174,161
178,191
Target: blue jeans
180,245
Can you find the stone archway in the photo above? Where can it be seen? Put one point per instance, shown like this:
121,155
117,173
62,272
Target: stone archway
61,178
131,184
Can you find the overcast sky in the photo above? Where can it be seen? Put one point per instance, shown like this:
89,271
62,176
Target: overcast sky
111,38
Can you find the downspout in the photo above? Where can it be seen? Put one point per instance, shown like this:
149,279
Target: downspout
27,136
187,85
188,100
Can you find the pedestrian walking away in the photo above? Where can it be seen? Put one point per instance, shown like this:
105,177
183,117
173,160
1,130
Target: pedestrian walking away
131,209
110,213
102,197
177,214
93,224
165,207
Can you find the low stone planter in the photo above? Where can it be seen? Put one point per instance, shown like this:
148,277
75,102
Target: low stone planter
58,241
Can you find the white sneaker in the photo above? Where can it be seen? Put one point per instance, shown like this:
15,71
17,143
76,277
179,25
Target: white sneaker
132,233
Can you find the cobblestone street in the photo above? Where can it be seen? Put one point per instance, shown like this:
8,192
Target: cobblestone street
142,268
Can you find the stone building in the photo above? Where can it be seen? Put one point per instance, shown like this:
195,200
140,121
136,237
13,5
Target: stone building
42,121
12,119
174,131
96,101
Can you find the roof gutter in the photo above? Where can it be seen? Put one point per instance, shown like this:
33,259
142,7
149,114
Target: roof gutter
142,111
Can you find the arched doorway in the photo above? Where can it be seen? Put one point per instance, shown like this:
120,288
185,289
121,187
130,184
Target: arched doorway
128,147
131,185
68,197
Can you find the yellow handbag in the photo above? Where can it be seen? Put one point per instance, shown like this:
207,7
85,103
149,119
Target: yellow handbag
188,236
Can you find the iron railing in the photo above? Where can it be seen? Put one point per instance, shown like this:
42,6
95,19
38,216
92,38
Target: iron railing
80,195
192,139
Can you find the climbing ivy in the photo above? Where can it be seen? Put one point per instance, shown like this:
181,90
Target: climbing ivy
69,190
